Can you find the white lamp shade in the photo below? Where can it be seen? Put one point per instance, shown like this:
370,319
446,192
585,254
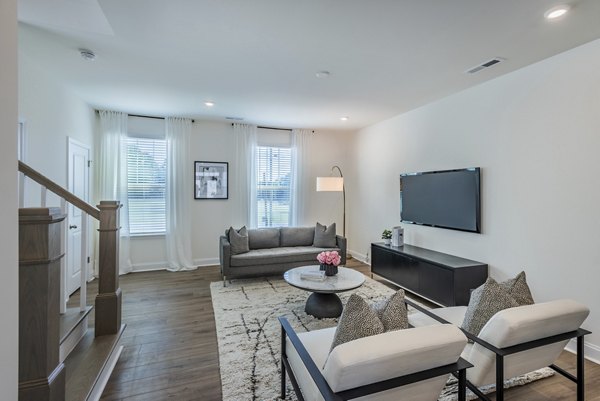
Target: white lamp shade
333,184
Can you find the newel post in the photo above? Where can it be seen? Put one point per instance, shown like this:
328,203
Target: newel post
41,374
108,300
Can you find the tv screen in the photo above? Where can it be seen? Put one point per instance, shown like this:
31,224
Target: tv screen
446,199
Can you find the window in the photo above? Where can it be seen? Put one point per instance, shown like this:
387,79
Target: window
273,168
146,177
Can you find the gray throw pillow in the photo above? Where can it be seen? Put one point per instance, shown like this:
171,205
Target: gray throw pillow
518,289
238,240
485,302
325,236
263,238
358,320
393,313
296,236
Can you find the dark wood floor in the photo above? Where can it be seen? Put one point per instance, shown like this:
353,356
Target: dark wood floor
171,346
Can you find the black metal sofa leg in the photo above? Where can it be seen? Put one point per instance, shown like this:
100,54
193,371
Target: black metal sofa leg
283,355
580,369
462,385
499,378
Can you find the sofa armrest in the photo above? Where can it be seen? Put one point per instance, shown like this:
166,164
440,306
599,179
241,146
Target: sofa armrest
224,254
341,243
317,375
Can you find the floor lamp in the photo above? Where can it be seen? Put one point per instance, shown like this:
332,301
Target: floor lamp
335,184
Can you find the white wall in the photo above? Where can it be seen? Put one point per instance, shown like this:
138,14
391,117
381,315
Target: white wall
213,141
536,135
9,284
52,113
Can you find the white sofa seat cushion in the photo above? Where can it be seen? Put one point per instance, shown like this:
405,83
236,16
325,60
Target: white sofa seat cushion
376,358
520,325
317,343
453,314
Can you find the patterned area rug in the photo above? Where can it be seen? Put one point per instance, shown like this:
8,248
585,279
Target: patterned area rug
248,334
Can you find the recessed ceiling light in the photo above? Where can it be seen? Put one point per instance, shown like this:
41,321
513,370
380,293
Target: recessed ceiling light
209,104
344,118
87,54
322,74
557,12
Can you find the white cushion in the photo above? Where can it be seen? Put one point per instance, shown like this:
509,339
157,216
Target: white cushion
317,343
519,325
381,357
453,314
510,327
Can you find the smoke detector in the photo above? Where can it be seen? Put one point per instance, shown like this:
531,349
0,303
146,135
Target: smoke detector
485,65
87,54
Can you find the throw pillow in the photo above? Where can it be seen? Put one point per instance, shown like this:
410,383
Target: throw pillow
361,320
393,313
485,302
358,320
518,289
325,236
238,239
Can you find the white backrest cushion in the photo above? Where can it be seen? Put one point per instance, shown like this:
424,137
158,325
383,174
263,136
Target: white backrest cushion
531,322
392,354
519,325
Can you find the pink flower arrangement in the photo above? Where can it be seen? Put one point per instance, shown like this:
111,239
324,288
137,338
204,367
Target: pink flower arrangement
329,258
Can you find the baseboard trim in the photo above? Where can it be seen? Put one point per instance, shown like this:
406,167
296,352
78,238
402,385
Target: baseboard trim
155,266
206,262
359,256
592,351
148,267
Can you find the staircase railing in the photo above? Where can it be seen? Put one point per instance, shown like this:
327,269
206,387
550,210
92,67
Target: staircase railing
108,300
42,283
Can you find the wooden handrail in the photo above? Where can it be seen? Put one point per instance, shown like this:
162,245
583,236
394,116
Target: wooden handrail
58,190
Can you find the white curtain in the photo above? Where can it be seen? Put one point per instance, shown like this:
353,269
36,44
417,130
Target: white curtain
245,211
111,173
300,187
179,193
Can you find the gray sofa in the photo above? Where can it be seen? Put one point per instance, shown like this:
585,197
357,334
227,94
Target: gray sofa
273,251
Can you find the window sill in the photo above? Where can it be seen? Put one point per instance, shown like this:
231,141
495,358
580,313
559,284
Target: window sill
147,235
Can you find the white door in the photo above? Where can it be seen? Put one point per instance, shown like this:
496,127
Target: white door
78,184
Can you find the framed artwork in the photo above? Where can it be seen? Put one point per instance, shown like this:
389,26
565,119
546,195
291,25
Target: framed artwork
210,180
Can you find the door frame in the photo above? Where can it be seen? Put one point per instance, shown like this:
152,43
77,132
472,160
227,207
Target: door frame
72,141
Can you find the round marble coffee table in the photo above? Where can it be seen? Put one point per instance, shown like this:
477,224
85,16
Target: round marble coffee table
323,302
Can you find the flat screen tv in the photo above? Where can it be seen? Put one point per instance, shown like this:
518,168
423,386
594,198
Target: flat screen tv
445,199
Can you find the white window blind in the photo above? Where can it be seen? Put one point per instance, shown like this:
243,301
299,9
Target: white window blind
273,169
146,176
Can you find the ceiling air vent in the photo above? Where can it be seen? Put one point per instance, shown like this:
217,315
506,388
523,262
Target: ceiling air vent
485,65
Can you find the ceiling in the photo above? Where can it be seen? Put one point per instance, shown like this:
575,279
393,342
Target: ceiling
257,59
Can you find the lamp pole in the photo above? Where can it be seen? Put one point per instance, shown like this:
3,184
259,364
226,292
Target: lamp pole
343,196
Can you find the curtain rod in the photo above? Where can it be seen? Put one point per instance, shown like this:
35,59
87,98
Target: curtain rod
278,129
156,118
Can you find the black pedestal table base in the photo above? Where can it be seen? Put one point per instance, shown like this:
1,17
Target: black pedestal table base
322,305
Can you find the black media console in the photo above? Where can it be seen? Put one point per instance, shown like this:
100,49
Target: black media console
444,279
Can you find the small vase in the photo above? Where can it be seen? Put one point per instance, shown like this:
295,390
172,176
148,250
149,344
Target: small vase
331,270
387,241
322,267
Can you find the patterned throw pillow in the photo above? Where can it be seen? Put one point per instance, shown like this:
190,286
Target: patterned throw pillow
325,236
485,302
361,320
238,240
358,320
518,289
393,313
